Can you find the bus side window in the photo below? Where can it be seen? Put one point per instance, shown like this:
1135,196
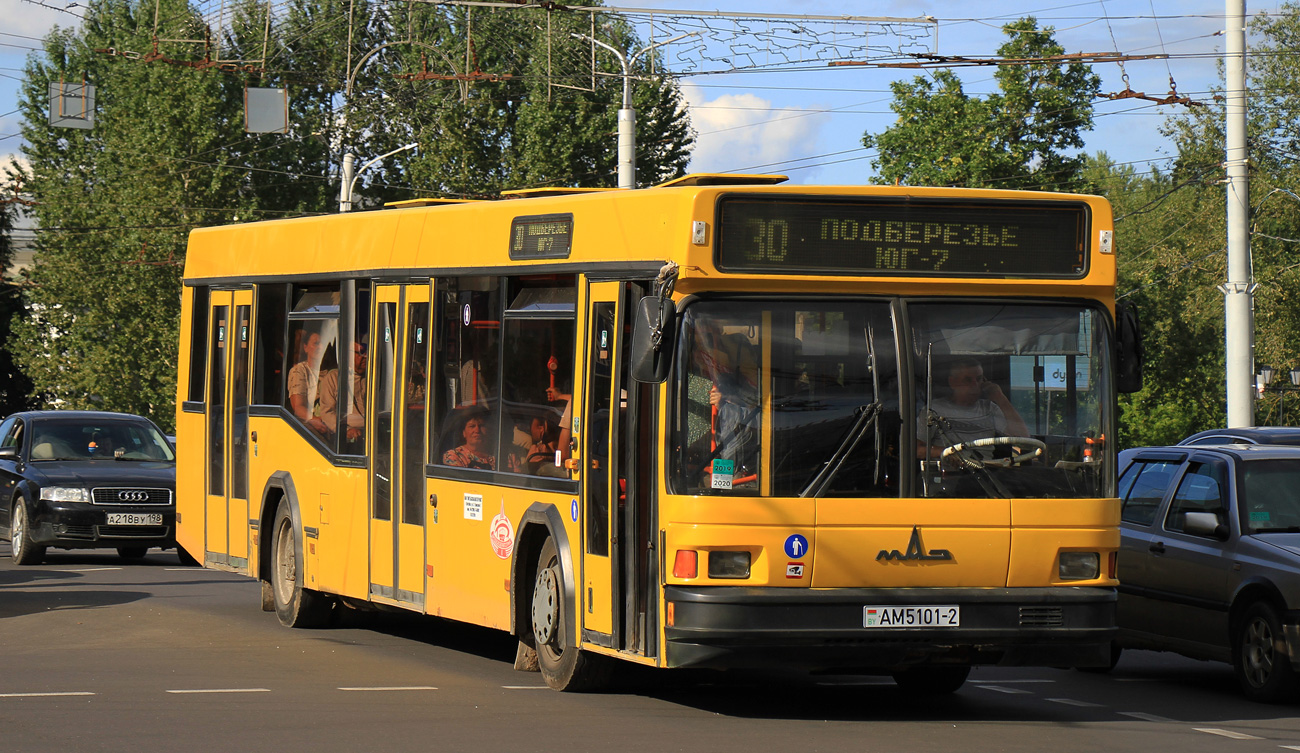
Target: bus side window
465,373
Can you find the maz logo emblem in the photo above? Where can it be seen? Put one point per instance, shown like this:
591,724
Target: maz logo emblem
133,496
915,551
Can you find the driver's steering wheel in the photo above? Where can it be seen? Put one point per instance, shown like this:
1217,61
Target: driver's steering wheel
965,455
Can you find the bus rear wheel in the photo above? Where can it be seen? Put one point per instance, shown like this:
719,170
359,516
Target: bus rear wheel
563,665
295,606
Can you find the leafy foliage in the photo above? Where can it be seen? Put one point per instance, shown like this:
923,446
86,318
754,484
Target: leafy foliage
1016,138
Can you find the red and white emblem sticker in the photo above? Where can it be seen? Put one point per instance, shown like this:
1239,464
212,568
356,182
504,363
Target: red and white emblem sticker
794,570
502,534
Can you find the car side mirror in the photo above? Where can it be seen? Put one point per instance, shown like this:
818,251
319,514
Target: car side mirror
652,339
9,452
1205,524
1128,348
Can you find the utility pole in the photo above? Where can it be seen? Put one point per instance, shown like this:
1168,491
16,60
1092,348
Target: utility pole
1238,291
348,180
627,115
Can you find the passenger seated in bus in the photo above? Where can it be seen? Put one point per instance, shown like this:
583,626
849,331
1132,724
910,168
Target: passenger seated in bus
355,418
304,378
970,407
474,452
721,402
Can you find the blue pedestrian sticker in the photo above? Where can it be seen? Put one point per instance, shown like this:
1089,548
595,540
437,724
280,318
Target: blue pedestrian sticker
573,511
796,546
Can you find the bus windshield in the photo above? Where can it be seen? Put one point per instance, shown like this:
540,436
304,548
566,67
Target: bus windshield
802,399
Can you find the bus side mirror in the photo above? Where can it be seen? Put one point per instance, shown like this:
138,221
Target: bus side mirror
652,339
1128,348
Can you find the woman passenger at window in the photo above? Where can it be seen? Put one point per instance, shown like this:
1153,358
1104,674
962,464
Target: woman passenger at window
304,377
474,453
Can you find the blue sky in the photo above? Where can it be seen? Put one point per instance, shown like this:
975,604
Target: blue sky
809,123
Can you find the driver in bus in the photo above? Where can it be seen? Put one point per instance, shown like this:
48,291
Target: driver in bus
971,407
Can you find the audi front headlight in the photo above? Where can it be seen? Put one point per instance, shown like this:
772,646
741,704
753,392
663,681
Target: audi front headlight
65,494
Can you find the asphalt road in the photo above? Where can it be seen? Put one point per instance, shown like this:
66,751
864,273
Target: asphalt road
100,655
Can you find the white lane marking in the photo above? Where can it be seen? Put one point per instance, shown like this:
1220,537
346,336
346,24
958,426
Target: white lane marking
1001,689
1290,747
1145,716
1006,682
394,687
87,569
44,695
221,690
1226,733
1072,702
526,687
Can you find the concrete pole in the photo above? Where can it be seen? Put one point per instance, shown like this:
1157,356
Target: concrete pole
345,183
627,146
1238,292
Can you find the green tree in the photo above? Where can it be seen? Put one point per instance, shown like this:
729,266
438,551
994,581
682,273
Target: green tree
115,203
1020,137
14,384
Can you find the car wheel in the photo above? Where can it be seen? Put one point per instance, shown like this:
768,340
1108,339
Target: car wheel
1259,656
295,606
24,550
1115,651
563,665
932,680
132,552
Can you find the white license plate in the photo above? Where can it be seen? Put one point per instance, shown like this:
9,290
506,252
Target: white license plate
134,519
911,617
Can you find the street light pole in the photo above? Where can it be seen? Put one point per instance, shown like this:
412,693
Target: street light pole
627,115
348,181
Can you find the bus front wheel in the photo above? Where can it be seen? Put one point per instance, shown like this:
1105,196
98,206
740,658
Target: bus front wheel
563,665
294,605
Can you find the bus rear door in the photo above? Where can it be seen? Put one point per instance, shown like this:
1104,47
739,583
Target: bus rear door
226,446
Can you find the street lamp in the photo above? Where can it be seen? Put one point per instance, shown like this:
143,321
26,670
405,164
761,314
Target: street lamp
627,115
1265,376
1295,377
348,181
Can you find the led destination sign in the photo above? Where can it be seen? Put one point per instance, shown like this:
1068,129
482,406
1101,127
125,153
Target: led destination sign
541,236
916,237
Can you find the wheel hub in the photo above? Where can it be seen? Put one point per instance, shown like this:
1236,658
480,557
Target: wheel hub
546,605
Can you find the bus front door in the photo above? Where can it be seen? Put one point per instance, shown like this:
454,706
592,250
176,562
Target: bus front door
398,363
226,447
617,460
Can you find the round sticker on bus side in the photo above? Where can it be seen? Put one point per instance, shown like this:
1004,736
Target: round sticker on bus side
502,534
573,511
796,546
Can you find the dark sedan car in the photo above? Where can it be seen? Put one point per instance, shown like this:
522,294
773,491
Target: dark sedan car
84,480
1249,435
1209,561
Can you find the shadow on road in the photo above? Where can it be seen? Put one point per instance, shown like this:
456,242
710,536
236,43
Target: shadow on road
16,603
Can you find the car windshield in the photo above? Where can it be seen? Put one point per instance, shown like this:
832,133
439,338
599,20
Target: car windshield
1272,496
99,440
802,398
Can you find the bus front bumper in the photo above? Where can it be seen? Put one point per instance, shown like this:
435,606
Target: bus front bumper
823,629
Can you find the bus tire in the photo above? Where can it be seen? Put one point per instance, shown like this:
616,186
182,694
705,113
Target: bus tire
941,680
296,606
1259,656
23,550
563,665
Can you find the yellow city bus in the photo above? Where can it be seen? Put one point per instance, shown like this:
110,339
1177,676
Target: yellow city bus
720,422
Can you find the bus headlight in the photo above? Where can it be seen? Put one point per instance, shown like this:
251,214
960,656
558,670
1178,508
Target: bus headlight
728,564
65,494
1079,565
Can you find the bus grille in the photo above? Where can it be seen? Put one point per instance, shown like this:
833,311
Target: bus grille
131,496
1041,617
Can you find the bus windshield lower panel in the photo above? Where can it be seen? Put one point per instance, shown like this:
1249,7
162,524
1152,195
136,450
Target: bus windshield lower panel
802,399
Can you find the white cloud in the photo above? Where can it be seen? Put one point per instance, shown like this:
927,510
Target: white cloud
31,20
744,132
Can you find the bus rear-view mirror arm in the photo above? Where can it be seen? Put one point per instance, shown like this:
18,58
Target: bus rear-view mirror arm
1128,348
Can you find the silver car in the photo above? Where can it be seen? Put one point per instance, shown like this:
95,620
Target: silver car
1209,561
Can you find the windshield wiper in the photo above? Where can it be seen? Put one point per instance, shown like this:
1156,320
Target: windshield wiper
867,415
